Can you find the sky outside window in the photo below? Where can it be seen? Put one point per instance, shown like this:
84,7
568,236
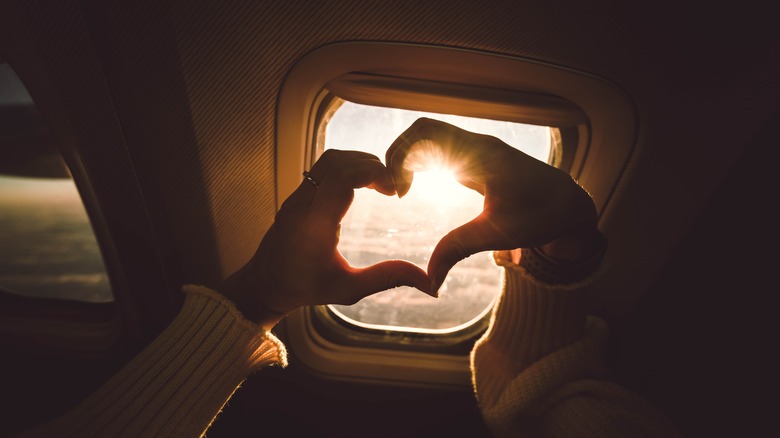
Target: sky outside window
378,227
47,245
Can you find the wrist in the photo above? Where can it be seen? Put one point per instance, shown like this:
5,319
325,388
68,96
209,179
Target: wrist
575,246
245,293
568,259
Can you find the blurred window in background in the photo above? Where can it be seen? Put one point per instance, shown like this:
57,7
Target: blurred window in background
47,246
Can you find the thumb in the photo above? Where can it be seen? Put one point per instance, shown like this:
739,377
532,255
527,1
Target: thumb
470,238
387,275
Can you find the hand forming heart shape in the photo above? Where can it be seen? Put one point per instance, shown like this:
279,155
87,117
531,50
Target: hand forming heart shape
527,203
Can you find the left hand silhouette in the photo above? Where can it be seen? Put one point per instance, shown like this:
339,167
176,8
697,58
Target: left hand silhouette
298,263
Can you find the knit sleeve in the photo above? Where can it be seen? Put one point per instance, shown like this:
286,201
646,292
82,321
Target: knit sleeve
180,382
538,369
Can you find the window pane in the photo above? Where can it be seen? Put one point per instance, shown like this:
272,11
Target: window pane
379,227
47,246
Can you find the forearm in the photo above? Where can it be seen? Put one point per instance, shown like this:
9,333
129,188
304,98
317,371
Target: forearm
539,340
539,370
530,320
181,381
541,307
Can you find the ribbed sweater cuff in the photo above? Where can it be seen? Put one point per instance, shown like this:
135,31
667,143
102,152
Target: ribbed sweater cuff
510,402
536,318
531,320
180,382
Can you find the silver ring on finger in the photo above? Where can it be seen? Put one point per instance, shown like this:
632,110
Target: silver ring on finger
308,177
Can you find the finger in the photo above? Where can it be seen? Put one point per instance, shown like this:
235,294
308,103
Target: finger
424,135
331,156
477,186
470,238
395,157
336,191
299,200
382,181
418,130
302,197
362,282
428,140
336,158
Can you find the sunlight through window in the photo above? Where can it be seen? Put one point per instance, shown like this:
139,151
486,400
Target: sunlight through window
379,227
47,246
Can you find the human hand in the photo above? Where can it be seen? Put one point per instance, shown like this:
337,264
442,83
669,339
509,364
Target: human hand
528,203
297,262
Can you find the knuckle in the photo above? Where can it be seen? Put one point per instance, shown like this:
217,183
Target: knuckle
349,299
392,281
459,250
286,209
329,156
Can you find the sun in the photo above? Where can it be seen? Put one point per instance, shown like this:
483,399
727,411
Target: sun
437,186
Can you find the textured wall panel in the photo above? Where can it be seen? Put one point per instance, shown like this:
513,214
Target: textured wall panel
195,87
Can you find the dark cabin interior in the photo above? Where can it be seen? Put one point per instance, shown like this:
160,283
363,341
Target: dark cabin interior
159,103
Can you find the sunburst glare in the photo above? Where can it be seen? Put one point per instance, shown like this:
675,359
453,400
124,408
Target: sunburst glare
379,227
437,185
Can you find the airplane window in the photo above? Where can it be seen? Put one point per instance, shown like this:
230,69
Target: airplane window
47,245
378,227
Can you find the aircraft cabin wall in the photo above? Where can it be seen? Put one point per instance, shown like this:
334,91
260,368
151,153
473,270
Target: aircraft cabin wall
168,112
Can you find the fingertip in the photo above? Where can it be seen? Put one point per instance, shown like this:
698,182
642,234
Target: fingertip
423,284
403,182
389,274
386,181
437,271
402,190
438,275
385,189
401,177
418,279
452,248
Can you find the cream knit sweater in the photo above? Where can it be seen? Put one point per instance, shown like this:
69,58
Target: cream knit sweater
535,371
538,371
180,382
